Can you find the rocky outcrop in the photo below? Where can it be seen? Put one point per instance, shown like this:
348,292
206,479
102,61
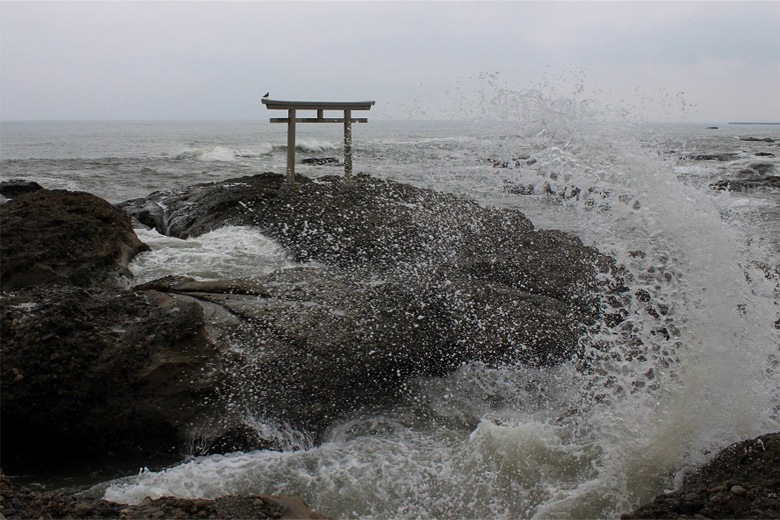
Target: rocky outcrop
742,481
756,176
21,502
94,372
395,282
89,367
321,161
761,182
407,282
64,238
541,287
12,188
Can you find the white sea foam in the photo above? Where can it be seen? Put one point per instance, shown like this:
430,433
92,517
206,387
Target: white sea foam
225,153
228,252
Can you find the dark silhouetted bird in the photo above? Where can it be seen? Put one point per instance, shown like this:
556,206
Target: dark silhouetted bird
267,94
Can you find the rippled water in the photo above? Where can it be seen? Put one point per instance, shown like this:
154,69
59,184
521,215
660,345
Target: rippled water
500,442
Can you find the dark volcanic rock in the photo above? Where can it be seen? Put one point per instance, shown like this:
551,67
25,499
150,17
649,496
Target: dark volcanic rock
380,225
21,502
405,282
92,372
714,157
747,184
417,282
436,244
88,367
321,161
15,187
762,168
743,481
63,237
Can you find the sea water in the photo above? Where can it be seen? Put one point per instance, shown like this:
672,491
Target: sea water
592,437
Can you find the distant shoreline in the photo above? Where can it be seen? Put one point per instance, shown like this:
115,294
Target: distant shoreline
749,123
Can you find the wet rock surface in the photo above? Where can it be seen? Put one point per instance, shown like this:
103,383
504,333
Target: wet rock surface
64,238
383,227
742,481
21,502
12,188
747,176
760,182
406,282
93,372
395,282
321,161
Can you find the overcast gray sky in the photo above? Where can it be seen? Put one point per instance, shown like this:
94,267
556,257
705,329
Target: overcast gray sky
697,61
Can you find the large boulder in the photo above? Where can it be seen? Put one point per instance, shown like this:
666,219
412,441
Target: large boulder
12,188
94,372
408,281
434,242
88,366
65,238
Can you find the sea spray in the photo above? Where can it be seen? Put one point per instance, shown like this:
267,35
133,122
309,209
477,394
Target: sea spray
687,369
707,336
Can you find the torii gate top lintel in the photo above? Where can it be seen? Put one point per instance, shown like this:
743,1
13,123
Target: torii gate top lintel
275,104
320,106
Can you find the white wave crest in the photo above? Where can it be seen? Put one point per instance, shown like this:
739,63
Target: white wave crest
314,145
224,153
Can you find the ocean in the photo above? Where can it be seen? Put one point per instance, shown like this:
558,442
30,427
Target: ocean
492,442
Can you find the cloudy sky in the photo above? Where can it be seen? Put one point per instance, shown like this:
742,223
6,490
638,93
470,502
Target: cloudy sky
669,61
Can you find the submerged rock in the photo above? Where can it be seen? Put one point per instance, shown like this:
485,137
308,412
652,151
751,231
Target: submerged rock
722,157
759,182
758,139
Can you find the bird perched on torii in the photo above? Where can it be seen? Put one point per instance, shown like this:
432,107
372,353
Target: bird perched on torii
267,94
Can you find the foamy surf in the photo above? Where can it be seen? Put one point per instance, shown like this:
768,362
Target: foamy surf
229,252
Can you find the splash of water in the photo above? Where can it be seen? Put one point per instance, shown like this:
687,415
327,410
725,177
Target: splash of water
691,367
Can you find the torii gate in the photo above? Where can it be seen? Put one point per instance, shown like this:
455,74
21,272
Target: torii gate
320,107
